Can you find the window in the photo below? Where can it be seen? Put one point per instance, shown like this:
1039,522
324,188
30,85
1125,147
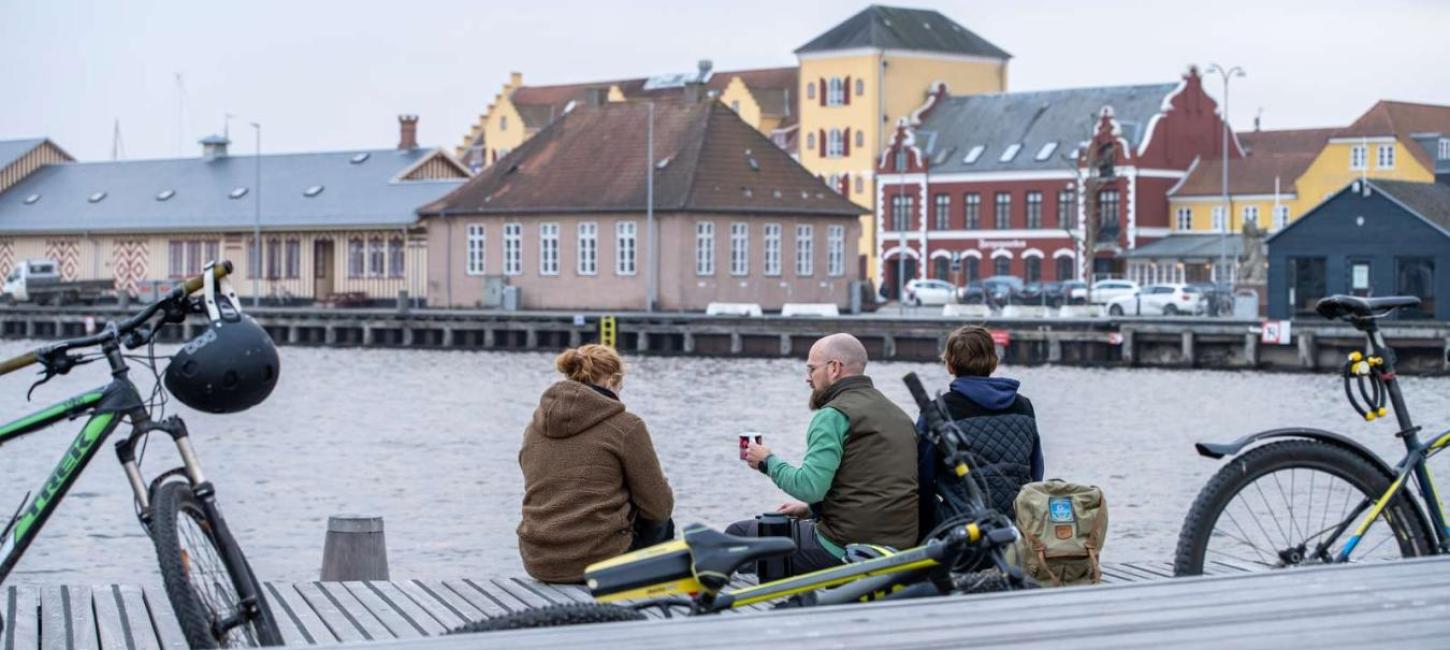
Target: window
1108,209
1064,268
376,256
836,250
1003,214
860,137
356,258
1306,284
1359,277
811,90
941,207
835,92
274,258
395,256
1444,149
294,259
1416,277
739,249
1002,266
1046,151
193,257
624,248
1251,215
1218,221
860,87
811,140
900,212
1281,216
972,210
901,165
772,249
1034,269
503,123
475,248
1010,152
188,257
513,249
835,144
704,248
1034,210
860,183
735,105
1357,157
805,262
1066,200
973,155
1184,218
940,269
1385,158
588,255
974,269
548,249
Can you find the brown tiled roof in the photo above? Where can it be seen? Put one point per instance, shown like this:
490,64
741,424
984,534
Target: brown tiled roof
1285,141
1248,175
593,158
1400,120
539,105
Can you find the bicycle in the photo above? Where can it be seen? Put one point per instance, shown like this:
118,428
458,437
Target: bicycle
1279,504
217,599
965,553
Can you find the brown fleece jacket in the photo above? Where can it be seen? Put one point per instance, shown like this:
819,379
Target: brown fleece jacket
589,471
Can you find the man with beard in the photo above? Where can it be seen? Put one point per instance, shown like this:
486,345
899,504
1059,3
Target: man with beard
857,481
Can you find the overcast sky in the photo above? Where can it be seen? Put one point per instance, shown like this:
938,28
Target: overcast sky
324,75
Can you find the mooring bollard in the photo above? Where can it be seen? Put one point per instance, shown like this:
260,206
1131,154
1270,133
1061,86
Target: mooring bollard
355,549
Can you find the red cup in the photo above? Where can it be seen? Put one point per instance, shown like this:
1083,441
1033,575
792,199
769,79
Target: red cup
744,445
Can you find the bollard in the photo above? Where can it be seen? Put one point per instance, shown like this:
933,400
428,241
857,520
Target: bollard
355,549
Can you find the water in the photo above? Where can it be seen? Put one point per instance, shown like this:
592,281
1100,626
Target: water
429,441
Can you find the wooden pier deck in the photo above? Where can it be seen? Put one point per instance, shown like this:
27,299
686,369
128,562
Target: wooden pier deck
130,617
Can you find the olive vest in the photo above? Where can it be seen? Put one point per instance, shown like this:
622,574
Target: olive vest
872,498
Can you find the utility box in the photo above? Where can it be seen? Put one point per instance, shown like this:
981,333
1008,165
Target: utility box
493,286
510,298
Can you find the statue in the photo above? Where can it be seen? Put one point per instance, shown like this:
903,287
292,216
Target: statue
1253,264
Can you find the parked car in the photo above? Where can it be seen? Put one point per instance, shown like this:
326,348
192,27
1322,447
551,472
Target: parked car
972,294
930,292
1106,291
39,281
1075,291
1048,294
1159,300
1003,289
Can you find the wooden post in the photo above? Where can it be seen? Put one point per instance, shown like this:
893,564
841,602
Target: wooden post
30,328
641,341
737,343
293,334
1251,350
1446,359
355,549
447,337
1308,351
1054,349
489,338
784,345
1188,351
687,344
888,346
531,338
329,335
1130,353
367,334
407,336
575,338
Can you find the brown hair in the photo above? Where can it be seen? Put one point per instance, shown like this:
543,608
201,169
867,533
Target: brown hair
971,352
590,364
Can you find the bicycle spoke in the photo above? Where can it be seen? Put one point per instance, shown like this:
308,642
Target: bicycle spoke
1293,526
1270,509
1239,498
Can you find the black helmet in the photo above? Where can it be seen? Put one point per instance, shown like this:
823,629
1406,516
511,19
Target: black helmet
230,367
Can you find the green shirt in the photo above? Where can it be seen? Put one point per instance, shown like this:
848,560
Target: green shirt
825,443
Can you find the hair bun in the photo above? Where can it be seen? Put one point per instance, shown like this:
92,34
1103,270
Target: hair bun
590,364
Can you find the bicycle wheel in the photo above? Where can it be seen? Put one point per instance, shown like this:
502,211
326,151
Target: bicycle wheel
552,616
1274,506
201,578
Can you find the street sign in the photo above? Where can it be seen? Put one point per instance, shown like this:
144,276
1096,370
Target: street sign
1115,338
1001,337
1276,332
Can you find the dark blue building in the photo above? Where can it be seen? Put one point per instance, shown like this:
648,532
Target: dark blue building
1374,237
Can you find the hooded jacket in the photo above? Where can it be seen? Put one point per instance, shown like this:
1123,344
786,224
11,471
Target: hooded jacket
589,471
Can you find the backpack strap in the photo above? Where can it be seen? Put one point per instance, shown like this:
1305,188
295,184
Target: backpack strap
1095,539
1041,551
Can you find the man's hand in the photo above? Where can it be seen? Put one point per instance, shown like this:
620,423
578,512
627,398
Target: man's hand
756,454
794,509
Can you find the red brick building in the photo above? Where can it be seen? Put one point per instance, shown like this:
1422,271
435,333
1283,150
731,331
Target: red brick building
980,185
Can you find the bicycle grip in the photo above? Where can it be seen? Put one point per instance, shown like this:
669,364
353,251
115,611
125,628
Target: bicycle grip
918,392
15,363
193,284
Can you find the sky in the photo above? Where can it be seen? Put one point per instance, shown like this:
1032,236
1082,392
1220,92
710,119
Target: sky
330,75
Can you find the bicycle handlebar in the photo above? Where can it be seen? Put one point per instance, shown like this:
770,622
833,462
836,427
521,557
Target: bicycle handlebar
113,330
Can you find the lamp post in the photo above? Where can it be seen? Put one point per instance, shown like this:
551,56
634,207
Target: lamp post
1227,74
649,211
255,263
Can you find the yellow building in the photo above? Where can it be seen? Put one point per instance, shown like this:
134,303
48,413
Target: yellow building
861,76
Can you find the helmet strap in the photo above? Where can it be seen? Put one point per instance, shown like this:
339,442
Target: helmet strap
210,291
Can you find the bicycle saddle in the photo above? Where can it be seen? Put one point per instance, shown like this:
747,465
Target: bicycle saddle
716,556
1339,306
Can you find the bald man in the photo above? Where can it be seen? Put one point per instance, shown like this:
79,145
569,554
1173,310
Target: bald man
857,482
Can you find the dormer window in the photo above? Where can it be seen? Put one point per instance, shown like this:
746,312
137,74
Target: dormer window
238,193
96,197
30,200
1046,151
1010,153
973,154
165,195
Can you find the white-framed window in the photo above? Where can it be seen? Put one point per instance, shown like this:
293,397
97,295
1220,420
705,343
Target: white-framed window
805,260
1357,156
548,249
503,122
1385,156
835,92
1185,218
860,86
810,90
772,249
474,257
1281,216
1218,220
588,262
1444,149
704,248
739,249
377,257
860,137
811,139
513,249
835,250
835,143
624,247
1251,215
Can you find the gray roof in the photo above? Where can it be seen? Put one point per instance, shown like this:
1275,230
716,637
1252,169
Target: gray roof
1030,119
12,150
365,194
1429,200
1188,247
896,28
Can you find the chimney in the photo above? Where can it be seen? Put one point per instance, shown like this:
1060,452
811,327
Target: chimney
694,92
705,65
407,132
597,96
214,147
516,79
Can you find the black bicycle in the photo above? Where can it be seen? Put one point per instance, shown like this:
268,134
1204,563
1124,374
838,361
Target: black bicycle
1296,500
217,599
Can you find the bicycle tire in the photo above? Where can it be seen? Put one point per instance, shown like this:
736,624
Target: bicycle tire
176,511
552,616
1314,456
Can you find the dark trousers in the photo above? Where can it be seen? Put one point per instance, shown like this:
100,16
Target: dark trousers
649,533
809,555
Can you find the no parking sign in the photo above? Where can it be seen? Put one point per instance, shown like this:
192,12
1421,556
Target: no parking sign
1276,332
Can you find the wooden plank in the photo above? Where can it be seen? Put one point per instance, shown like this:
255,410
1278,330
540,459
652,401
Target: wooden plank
290,606
335,619
1150,570
440,610
82,615
529,599
422,620
562,594
54,622
22,619
399,624
355,611
163,619
463,608
137,618
110,626
486,606
489,591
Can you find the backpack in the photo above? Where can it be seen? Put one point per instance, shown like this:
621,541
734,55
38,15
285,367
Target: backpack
1064,526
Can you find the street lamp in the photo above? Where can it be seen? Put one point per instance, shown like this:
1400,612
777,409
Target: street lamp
256,262
1227,74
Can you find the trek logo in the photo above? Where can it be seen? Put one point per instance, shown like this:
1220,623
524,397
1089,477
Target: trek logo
78,451
200,342
1060,510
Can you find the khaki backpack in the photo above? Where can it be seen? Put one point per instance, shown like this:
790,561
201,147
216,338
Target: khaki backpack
1063,526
